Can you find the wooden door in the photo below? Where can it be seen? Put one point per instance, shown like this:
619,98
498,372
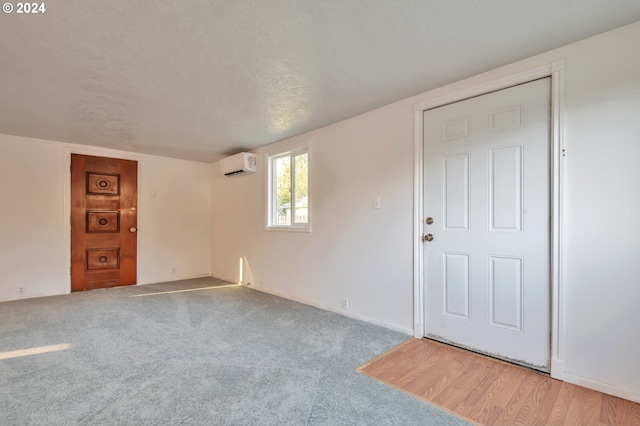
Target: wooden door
487,180
104,222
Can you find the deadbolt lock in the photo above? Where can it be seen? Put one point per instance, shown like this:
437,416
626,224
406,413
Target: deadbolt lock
429,221
428,237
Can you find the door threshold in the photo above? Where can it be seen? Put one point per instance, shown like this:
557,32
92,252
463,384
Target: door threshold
537,369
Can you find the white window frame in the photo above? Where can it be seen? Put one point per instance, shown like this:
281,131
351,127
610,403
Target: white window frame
290,150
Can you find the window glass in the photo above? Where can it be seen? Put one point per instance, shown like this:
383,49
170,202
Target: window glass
288,206
301,203
282,203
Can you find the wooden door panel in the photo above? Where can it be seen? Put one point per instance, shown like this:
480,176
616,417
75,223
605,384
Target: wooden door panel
103,184
106,258
103,222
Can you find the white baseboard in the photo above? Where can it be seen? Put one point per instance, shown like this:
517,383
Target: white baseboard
232,280
393,327
49,294
29,296
602,387
178,278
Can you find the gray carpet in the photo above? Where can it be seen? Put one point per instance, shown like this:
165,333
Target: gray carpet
217,356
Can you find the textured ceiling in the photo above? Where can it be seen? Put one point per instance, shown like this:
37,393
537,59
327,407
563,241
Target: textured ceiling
202,79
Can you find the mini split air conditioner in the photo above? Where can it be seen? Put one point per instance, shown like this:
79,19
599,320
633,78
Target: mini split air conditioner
239,164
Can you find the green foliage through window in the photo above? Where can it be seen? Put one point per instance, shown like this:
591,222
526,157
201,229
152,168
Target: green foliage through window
290,177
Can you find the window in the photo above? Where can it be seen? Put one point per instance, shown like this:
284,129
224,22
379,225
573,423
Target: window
288,190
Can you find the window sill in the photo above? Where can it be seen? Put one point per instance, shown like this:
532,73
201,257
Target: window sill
304,229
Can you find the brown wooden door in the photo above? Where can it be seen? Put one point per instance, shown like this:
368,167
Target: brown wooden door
104,222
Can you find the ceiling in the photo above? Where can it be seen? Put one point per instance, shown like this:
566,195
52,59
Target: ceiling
203,79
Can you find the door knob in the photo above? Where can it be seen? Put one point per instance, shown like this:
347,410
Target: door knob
428,237
132,229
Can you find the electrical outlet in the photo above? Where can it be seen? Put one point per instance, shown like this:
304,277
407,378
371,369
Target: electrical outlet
21,290
345,303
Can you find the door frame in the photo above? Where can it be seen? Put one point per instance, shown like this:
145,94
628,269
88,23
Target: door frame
476,86
98,152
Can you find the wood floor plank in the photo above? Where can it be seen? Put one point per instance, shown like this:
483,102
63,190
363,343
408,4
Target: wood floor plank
463,386
486,391
445,363
543,400
405,365
580,411
491,373
608,412
512,414
591,403
422,383
561,406
628,413
441,385
496,397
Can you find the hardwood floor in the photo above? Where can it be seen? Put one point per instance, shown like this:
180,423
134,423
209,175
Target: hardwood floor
486,391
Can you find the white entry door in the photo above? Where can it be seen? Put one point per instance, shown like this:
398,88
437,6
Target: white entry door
487,213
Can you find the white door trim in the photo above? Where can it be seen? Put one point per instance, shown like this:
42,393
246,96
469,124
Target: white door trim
98,152
475,87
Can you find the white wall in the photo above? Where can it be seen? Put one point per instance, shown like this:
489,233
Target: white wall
602,240
353,251
174,217
364,254
175,221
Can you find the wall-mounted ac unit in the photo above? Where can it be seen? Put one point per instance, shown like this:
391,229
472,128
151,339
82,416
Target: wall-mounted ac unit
239,164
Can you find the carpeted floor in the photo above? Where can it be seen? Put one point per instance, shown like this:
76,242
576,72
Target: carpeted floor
212,355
